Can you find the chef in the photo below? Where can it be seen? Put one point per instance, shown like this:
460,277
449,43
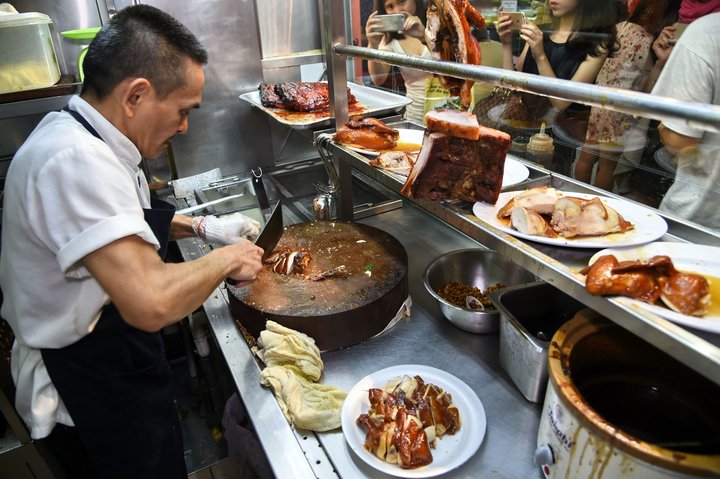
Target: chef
85,289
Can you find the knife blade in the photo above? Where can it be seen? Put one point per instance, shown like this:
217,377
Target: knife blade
269,236
272,231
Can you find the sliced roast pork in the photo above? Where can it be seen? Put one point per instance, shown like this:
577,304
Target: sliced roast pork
530,222
579,217
400,162
458,168
540,199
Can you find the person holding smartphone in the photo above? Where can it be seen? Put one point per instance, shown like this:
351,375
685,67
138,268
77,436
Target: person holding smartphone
410,41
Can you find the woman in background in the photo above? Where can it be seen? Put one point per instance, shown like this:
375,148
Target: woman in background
626,68
410,41
582,36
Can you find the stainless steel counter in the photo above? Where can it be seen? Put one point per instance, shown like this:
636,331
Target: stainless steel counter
425,338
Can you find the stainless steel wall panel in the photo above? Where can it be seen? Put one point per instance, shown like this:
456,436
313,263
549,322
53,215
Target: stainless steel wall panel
288,26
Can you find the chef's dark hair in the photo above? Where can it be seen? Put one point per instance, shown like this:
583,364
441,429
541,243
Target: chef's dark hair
140,42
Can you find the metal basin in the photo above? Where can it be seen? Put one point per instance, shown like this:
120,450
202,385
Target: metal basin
475,267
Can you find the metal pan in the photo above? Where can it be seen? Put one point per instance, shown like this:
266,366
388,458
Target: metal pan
374,102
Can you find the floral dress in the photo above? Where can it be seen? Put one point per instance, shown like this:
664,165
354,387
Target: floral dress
626,69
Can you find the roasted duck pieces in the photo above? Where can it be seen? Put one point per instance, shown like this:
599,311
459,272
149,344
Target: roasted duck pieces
368,134
451,167
448,37
405,419
298,96
286,261
686,293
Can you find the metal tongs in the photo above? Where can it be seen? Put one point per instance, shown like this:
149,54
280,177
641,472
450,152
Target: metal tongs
323,203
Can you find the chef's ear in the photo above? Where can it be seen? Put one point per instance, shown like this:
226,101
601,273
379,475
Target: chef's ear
136,93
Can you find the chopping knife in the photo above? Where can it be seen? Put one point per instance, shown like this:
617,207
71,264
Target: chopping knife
270,234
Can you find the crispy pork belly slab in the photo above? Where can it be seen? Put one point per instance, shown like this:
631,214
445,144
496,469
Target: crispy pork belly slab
448,37
298,96
455,123
457,168
579,217
530,222
540,199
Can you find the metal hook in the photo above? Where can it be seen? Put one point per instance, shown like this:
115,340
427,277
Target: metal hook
333,180
256,175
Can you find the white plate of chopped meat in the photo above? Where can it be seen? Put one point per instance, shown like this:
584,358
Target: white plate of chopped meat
642,225
688,258
451,450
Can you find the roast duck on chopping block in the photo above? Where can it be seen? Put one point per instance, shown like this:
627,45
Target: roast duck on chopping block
648,281
405,419
368,134
298,96
459,159
448,37
569,216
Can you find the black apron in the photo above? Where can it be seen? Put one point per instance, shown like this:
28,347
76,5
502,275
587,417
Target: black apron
116,384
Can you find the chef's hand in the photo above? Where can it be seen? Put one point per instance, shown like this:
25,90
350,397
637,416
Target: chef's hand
413,27
225,230
533,36
247,261
371,30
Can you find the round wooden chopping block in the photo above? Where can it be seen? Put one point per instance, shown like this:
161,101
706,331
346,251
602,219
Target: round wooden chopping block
337,311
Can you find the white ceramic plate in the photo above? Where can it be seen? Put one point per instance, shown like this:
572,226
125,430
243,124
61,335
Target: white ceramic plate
451,451
649,226
666,160
410,140
700,259
514,173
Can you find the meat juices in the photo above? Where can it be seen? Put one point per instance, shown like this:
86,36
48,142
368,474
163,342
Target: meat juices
458,168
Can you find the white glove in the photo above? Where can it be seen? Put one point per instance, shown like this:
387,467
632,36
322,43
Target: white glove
225,230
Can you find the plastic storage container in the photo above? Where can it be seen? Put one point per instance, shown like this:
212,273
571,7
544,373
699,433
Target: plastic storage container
529,316
27,55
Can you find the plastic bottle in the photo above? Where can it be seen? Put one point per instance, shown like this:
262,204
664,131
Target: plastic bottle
540,148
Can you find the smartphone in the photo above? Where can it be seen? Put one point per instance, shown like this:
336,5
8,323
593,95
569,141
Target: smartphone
679,30
517,18
392,22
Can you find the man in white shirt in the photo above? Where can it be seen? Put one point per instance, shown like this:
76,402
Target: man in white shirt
692,73
86,291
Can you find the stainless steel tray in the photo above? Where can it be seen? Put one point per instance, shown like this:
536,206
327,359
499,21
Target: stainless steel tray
373,101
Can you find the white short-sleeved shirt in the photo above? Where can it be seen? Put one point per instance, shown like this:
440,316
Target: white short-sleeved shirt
692,73
414,82
67,194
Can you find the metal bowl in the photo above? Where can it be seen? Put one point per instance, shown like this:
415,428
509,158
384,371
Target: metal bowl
475,267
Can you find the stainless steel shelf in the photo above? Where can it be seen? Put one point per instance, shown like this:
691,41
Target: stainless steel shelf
559,266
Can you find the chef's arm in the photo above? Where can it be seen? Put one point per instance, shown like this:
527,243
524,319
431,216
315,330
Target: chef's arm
151,294
181,227
676,142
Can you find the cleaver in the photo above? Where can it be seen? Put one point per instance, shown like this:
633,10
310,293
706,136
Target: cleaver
269,236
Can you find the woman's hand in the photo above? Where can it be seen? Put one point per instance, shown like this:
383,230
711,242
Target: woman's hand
503,29
413,27
662,46
374,37
533,36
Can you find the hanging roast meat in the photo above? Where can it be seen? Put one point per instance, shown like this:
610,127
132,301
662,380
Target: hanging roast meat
448,37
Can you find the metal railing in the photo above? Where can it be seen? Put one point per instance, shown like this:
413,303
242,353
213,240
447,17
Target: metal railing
697,115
